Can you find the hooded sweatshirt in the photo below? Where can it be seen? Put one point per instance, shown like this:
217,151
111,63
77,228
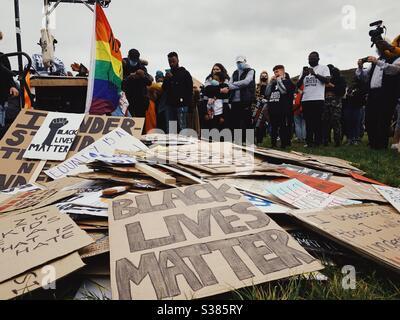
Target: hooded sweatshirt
6,81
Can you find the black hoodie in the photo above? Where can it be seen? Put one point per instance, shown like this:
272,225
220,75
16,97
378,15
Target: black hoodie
6,81
179,88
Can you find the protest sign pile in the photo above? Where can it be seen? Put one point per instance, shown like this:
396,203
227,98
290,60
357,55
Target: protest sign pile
175,217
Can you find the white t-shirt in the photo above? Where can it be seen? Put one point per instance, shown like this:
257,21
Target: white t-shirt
217,106
313,88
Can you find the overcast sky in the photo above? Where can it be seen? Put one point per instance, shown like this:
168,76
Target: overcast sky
204,32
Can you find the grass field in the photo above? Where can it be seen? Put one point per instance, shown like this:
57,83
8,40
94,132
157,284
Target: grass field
372,281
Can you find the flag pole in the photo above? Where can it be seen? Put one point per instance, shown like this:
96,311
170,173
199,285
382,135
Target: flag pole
19,49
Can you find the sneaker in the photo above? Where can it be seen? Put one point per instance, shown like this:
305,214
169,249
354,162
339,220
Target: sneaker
395,146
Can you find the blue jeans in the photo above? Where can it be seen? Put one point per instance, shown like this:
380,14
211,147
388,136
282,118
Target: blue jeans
300,127
177,114
353,118
3,108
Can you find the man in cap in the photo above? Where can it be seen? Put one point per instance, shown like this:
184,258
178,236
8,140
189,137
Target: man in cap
242,89
136,80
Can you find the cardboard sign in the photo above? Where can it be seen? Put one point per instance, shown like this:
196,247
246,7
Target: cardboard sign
40,277
359,177
31,200
357,190
390,194
195,242
55,136
373,231
316,183
302,196
107,145
19,137
33,238
308,172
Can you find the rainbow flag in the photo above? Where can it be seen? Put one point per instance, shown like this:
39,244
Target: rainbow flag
106,73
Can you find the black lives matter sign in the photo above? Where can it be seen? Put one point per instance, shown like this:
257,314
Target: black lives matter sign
194,242
55,137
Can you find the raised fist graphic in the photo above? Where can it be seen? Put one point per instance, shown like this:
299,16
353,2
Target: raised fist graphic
54,126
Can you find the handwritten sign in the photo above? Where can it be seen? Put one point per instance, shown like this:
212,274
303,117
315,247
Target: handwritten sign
196,241
308,171
107,145
302,196
390,194
55,136
26,125
41,277
373,231
33,238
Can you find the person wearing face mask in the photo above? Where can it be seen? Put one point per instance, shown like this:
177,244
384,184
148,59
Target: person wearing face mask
383,79
242,89
314,78
135,83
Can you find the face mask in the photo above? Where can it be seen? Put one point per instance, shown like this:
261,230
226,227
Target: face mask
241,65
214,83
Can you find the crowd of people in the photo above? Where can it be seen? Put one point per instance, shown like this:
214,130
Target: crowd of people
318,108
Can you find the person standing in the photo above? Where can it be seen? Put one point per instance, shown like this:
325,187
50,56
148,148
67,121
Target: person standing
298,118
332,113
314,78
279,94
178,87
135,83
383,79
353,104
7,88
242,89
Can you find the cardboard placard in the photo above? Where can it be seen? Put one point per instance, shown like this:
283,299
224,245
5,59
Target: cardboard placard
390,194
196,241
107,145
19,136
31,200
302,196
309,172
316,183
33,238
55,136
40,277
373,231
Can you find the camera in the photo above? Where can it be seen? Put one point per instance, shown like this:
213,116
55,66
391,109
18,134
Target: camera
376,34
364,60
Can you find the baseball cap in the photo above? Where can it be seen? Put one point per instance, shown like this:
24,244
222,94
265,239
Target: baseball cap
241,59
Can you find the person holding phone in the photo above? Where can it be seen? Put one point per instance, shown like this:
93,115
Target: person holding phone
178,87
314,78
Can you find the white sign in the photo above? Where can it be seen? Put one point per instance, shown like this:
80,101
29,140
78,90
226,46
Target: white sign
390,194
117,139
55,136
302,196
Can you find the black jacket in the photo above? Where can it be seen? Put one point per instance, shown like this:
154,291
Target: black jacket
179,88
6,80
136,89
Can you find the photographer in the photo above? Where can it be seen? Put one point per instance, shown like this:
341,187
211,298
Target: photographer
383,79
314,79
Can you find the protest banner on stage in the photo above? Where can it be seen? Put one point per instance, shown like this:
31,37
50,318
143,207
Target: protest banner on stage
196,241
